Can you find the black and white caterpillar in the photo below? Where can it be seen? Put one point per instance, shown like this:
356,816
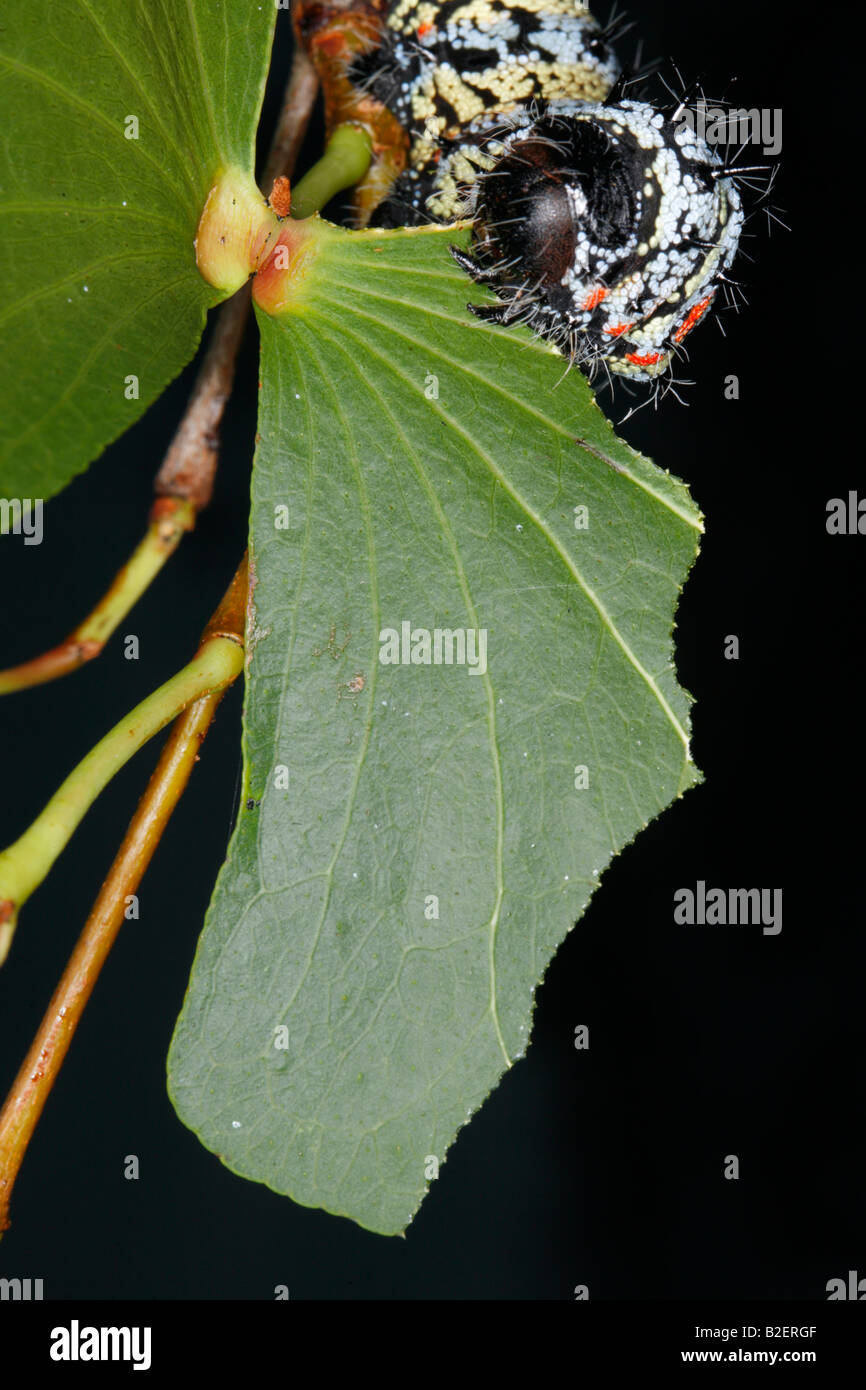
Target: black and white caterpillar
603,224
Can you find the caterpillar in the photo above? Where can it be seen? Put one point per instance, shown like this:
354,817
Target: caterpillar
603,224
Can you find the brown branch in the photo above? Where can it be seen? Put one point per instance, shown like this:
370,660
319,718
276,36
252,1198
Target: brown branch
189,468
288,137
41,1066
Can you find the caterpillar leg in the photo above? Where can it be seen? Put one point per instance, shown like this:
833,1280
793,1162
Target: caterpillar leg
490,313
474,269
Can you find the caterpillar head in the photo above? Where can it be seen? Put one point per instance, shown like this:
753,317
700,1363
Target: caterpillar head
606,229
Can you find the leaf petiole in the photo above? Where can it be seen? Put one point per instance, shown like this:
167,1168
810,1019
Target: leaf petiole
345,162
170,519
26,863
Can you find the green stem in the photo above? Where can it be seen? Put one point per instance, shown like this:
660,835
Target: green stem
345,162
170,519
25,864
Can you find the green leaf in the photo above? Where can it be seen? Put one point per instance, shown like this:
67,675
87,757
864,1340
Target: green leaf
431,466
98,280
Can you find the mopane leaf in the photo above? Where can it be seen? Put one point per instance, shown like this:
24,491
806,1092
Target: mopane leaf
416,839
116,118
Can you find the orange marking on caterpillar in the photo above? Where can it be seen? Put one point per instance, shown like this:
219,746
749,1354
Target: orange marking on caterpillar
595,297
617,329
649,360
694,317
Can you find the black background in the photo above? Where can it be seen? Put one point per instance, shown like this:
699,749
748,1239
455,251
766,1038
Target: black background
603,1167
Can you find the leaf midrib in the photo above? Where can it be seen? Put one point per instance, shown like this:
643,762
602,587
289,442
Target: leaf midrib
496,759
328,873
516,497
